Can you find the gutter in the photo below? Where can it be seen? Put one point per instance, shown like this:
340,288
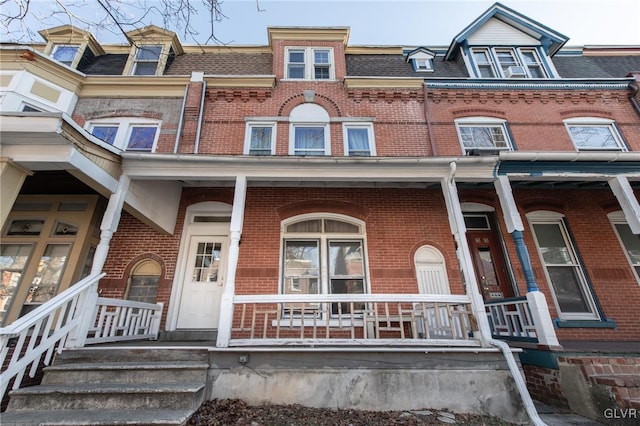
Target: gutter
181,122
200,116
608,157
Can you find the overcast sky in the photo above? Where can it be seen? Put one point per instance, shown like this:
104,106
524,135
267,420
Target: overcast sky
378,22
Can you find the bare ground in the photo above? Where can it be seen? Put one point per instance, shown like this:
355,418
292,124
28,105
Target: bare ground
237,412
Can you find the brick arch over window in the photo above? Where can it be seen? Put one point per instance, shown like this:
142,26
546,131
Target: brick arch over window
143,278
485,112
590,112
329,206
324,101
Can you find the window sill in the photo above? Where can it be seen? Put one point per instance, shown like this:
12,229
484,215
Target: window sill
606,323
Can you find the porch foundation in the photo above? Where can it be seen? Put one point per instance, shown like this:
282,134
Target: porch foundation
467,382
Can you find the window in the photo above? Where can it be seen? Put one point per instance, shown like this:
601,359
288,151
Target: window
481,134
423,64
147,59
630,242
421,59
509,62
65,53
260,139
594,134
309,63
324,255
131,134
563,270
309,130
358,140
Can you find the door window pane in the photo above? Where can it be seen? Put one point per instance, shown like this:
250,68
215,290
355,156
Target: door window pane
13,258
207,262
45,283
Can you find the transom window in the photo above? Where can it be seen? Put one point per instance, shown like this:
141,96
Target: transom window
504,62
594,134
358,139
260,139
65,53
323,255
147,59
131,134
571,293
480,134
309,63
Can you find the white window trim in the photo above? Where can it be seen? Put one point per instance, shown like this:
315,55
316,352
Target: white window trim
58,46
617,218
517,51
548,217
159,61
247,135
483,122
595,122
309,70
323,238
370,134
125,126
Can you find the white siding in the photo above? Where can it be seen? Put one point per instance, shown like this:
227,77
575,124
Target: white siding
497,33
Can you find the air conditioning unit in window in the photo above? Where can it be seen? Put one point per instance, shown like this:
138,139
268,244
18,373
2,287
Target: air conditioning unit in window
515,72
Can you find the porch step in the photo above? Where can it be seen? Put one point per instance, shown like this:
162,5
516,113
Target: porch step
625,388
108,386
95,417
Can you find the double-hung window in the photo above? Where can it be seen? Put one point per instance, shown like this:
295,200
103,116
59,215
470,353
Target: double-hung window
65,53
309,63
309,130
131,134
147,59
594,134
508,62
630,242
358,140
260,139
483,134
324,255
571,292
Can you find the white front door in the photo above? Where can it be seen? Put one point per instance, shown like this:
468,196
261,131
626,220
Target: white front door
203,282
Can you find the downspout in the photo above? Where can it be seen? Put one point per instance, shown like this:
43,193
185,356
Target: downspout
634,87
200,115
472,288
181,122
427,115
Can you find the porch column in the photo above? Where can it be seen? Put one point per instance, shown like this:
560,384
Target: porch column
12,177
108,226
459,230
515,228
535,298
235,232
628,201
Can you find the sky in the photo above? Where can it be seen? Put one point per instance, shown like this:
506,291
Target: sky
403,22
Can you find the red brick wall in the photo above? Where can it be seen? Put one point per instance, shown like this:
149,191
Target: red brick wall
534,118
544,385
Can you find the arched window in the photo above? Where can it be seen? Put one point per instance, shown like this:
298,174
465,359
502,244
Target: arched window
323,254
143,282
309,131
431,271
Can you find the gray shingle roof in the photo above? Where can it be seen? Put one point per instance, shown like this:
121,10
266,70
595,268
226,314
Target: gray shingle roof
596,66
222,64
397,66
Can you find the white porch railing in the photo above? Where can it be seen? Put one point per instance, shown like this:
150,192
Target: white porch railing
362,319
75,317
511,319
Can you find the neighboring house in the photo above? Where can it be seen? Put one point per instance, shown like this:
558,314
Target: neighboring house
504,167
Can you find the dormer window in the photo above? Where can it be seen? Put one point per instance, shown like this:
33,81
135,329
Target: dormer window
421,59
503,62
65,53
309,63
147,59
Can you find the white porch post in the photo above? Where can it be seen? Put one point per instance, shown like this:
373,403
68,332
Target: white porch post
627,200
109,225
459,231
235,232
535,298
12,177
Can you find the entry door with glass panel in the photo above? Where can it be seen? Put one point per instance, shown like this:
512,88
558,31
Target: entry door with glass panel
203,282
488,258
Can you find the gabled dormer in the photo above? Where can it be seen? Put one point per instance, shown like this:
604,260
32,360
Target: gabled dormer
71,46
421,59
502,43
152,50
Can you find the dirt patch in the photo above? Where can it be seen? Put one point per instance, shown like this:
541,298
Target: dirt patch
237,412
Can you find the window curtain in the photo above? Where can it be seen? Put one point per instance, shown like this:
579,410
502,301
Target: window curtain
358,142
309,140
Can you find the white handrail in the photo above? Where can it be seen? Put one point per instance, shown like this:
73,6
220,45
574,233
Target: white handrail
42,331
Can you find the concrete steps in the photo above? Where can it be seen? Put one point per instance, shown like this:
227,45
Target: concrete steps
114,386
